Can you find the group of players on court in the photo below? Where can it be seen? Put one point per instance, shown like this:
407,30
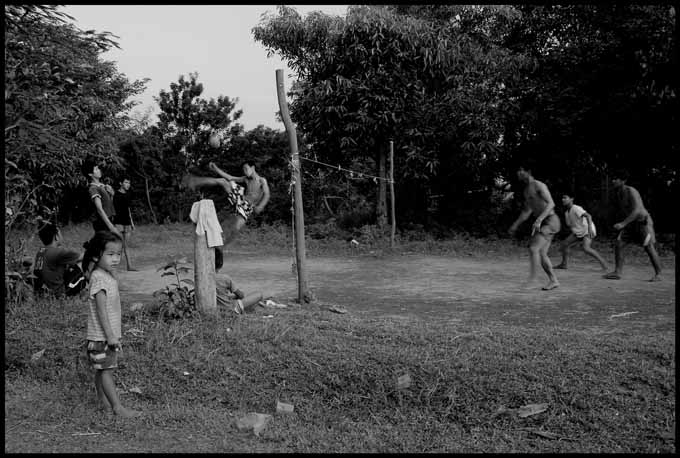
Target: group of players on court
635,226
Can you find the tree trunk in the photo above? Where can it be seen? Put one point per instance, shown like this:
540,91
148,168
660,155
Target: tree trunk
381,208
148,200
304,294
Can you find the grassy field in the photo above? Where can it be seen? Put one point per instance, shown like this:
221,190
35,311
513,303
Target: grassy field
606,391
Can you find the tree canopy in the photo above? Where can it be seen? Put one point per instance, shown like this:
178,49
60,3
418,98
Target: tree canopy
469,92
62,102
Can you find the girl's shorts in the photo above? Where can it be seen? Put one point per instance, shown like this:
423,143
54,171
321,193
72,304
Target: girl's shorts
101,356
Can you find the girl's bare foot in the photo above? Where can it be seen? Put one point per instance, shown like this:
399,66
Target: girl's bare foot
656,277
561,266
126,413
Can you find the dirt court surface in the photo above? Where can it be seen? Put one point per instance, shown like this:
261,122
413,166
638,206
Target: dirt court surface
452,289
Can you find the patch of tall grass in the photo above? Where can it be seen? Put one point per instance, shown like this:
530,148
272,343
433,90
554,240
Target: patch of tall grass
606,391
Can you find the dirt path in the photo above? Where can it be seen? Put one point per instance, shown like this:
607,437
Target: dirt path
455,289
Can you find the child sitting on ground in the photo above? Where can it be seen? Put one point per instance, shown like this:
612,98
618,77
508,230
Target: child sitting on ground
102,255
56,268
227,293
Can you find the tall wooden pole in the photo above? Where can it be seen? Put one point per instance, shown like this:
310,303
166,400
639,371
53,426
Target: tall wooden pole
204,267
394,217
204,275
297,184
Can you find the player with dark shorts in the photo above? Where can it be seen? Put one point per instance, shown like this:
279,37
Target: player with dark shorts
539,203
635,227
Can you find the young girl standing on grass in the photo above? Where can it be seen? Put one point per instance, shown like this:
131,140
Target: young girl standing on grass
102,254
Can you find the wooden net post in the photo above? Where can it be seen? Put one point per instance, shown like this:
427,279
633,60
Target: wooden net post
204,275
297,184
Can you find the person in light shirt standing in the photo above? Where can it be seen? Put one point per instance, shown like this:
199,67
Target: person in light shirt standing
102,255
582,229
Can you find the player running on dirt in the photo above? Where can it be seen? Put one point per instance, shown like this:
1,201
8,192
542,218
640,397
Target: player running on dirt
244,202
582,229
636,225
538,202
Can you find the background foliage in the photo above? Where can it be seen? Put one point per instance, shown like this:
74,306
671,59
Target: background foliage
465,92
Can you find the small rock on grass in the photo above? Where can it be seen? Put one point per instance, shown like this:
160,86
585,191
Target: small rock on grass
282,407
254,421
531,409
37,355
404,381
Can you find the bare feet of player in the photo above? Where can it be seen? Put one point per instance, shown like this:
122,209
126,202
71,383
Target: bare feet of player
552,285
656,277
561,266
528,284
126,413
612,276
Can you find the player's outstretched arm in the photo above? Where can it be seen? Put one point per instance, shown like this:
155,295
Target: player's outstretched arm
212,166
523,216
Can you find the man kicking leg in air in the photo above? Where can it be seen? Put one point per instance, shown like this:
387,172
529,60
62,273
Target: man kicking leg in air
538,202
244,202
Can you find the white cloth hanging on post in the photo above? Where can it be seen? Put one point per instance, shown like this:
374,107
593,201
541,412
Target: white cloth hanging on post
204,215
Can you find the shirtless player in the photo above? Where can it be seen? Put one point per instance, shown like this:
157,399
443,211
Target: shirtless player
539,203
254,198
635,225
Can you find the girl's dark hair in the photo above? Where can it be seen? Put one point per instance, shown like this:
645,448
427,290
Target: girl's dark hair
88,166
248,162
95,247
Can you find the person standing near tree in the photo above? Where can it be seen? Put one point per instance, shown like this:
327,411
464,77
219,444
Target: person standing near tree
538,202
635,225
123,218
101,196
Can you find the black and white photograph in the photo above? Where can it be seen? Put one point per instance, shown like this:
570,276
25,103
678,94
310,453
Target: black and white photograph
399,228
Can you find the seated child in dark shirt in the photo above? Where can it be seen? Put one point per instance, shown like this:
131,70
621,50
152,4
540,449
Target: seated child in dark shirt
227,293
53,261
